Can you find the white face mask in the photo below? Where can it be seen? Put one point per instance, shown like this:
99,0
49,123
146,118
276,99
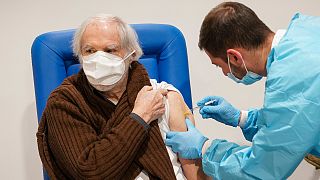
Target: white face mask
104,69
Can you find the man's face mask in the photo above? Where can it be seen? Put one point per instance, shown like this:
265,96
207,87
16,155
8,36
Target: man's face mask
248,79
104,69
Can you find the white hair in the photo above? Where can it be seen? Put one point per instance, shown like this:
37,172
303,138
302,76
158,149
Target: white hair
128,37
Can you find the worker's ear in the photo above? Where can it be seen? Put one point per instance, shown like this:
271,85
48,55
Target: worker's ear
235,57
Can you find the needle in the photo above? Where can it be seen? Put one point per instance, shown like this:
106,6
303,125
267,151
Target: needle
205,104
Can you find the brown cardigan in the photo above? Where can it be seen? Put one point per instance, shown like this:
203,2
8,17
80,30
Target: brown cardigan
83,136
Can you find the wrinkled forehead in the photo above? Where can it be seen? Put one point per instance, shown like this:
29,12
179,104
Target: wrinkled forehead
100,33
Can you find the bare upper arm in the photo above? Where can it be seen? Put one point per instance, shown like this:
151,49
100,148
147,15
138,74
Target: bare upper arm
179,111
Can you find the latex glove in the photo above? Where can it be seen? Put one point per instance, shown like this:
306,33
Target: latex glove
187,144
221,110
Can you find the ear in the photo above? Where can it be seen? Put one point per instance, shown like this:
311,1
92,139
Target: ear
134,54
235,57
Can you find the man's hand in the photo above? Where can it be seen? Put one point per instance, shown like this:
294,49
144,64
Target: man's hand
187,144
149,103
221,110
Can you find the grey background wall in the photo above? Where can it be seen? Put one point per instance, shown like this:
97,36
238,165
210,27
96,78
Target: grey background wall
21,21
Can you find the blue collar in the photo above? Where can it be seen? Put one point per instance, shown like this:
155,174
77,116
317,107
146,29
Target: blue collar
276,39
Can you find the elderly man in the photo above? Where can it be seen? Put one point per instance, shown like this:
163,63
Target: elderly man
100,123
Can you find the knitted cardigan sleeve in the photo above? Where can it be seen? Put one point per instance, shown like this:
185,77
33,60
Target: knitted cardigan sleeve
80,151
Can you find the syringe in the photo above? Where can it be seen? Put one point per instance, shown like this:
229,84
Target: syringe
205,104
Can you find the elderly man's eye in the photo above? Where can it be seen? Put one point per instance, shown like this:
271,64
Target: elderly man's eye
111,51
90,51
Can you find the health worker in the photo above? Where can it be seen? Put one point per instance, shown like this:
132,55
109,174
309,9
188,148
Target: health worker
286,129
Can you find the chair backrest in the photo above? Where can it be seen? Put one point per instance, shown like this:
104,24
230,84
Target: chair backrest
165,58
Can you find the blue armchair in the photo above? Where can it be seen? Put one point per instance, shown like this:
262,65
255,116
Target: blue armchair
165,58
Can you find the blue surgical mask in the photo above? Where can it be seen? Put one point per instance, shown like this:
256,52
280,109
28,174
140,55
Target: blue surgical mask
248,79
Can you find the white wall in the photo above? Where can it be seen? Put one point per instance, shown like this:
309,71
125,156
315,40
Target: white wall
21,21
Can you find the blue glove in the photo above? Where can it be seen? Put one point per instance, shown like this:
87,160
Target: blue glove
219,110
187,144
